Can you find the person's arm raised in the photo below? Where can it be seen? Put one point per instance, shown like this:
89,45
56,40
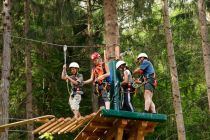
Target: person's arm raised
64,73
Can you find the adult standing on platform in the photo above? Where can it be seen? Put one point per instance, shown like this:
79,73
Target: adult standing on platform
147,70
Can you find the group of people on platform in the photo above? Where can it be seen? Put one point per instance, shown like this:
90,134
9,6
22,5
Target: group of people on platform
100,78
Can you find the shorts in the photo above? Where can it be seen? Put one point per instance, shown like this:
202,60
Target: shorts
105,97
74,101
149,85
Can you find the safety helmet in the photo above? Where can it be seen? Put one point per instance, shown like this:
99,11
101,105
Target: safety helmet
74,65
95,55
142,55
119,63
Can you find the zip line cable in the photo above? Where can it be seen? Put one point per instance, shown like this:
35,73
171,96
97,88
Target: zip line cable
53,44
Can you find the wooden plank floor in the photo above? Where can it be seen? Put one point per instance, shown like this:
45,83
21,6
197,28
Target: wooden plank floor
63,125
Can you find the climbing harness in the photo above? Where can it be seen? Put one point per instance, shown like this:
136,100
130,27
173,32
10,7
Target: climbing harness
97,91
99,87
102,85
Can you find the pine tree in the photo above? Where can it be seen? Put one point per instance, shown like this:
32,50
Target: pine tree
173,72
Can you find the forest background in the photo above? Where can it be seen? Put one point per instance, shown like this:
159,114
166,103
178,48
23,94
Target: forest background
75,23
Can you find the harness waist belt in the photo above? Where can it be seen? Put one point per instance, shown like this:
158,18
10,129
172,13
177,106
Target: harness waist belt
77,89
150,75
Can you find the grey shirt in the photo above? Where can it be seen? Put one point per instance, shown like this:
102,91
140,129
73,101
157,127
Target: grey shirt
79,79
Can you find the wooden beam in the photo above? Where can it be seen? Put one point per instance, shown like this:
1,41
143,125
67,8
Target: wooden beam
120,130
61,126
136,130
91,138
86,134
49,126
43,126
101,125
96,115
72,125
56,125
43,120
25,121
140,135
65,127
81,122
140,130
97,133
112,132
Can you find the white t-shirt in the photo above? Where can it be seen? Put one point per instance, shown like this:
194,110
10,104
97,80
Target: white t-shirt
130,79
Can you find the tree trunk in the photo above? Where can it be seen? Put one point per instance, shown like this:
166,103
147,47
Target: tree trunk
112,46
29,109
173,72
111,29
94,98
5,83
205,44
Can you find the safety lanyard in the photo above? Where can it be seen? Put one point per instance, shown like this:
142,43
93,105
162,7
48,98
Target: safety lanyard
67,81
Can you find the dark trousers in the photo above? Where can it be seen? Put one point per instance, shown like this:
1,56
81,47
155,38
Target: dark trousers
126,103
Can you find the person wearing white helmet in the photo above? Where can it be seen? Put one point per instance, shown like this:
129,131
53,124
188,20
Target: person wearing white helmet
76,80
126,85
147,70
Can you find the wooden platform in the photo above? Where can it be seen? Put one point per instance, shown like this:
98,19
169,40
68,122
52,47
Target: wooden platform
111,124
103,125
63,125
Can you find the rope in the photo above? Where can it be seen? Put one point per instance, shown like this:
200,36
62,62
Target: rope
52,44
64,50
67,81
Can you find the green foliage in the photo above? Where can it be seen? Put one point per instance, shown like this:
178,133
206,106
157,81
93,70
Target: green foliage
141,30
46,136
147,35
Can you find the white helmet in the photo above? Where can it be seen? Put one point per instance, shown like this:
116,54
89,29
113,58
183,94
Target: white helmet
142,55
119,63
74,65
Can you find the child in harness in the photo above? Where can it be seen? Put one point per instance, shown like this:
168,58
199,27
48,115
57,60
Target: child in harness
127,88
76,80
99,74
